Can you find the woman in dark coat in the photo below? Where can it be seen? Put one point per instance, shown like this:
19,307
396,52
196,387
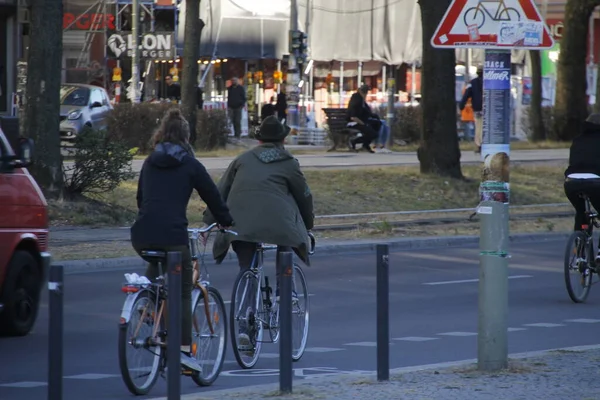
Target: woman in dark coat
168,177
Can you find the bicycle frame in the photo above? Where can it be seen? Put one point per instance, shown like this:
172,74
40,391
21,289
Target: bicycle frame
590,215
201,280
257,269
501,7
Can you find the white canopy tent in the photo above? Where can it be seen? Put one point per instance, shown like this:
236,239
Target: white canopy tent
384,31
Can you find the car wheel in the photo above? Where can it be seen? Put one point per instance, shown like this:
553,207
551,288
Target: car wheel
21,295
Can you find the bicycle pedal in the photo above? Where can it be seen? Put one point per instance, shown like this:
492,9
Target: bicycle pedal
187,372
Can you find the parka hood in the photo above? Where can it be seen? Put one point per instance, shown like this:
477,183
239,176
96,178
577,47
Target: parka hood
168,155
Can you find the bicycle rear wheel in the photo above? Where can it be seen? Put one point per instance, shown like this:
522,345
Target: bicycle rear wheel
208,347
139,356
300,314
577,271
245,319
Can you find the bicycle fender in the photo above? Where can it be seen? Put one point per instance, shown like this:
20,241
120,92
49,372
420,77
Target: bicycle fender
128,306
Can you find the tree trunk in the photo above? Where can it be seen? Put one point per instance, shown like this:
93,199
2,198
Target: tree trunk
439,152
43,94
571,107
536,117
191,51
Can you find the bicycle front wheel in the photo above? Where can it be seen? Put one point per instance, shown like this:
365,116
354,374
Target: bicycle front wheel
300,314
578,275
209,345
139,355
245,319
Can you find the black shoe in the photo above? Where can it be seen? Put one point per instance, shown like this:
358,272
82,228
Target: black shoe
368,148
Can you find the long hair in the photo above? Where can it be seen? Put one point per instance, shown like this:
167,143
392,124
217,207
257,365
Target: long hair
173,129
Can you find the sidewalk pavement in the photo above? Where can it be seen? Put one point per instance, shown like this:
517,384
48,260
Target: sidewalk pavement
347,159
561,374
69,236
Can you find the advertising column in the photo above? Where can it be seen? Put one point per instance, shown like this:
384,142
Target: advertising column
493,210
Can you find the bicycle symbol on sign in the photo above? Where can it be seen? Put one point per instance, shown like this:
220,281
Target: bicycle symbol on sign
476,15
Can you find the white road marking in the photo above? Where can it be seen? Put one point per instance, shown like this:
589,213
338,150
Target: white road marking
362,344
23,384
544,325
321,349
92,376
269,355
229,301
416,339
458,334
471,280
516,329
583,321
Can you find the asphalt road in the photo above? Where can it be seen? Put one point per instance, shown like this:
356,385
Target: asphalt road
433,295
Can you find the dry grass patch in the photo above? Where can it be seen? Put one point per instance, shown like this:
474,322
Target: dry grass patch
342,191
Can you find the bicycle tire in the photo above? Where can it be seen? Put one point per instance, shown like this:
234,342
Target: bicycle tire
587,279
299,277
475,11
203,379
242,277
135,389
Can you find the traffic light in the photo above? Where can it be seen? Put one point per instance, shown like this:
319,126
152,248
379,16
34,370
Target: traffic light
303,50
298,45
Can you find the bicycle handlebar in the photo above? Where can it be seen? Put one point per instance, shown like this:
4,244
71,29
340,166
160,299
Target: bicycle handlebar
210,228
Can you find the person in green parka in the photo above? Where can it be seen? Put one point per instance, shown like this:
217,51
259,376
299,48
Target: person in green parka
269,200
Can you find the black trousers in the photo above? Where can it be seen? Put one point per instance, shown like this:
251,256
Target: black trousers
575,187
246,250
370,132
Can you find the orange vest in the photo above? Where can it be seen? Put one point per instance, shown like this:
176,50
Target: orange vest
467,115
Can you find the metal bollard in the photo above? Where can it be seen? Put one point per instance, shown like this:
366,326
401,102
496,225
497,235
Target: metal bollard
174,326
286,267
383,314
55,333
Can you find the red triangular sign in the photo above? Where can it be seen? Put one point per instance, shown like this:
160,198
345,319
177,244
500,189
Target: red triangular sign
508,24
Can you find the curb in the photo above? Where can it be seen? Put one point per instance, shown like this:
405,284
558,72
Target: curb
350,247
273,387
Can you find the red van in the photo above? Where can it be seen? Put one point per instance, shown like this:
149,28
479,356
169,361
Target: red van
24,260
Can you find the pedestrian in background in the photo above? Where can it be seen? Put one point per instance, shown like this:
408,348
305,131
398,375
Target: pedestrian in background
467,116
236,100
475,93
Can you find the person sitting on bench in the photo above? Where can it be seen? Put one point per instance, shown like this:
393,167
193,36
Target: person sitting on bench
361,117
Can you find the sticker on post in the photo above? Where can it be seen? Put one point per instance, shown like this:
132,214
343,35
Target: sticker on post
528,34
484,210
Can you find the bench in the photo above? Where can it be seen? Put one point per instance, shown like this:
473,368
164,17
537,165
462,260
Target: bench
338,129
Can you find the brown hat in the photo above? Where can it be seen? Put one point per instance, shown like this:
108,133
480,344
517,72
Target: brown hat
271,130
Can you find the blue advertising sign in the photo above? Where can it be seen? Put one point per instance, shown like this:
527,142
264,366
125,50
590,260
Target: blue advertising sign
496,99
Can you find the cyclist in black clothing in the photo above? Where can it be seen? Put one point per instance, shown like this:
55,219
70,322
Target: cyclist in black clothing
167,179
583,173
365,121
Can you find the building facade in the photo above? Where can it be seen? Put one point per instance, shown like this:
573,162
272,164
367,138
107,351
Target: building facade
10,48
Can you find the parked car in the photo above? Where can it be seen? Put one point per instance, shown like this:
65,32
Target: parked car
24,260
82,106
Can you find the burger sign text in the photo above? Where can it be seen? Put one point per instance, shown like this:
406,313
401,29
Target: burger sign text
151,45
